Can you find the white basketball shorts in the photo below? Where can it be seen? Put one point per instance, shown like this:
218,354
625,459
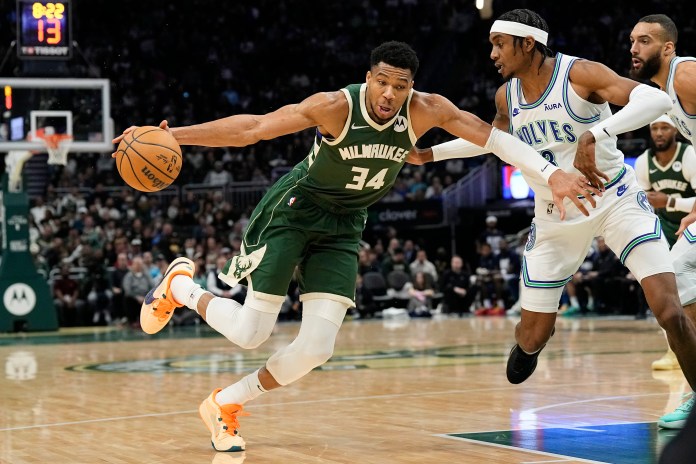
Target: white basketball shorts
556,249
683,256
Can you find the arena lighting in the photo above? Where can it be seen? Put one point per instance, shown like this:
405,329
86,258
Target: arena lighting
485,8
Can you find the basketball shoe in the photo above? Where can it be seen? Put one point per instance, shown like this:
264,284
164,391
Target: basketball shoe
677,418
667,362
159,304
222,423
521,365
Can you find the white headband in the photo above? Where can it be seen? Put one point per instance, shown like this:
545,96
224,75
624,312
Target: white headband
666,119
520,30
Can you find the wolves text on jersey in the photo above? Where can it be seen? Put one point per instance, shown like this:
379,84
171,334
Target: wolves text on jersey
544,131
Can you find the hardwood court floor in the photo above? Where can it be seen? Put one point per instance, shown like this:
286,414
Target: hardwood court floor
419,391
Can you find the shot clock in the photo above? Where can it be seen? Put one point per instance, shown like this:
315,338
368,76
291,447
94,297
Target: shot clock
43,29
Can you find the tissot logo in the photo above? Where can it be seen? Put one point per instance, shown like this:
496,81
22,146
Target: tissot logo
19,299
400,124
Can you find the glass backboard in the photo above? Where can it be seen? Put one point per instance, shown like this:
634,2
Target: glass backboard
78,107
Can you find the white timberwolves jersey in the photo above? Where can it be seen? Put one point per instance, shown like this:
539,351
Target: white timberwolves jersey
553,124
686,123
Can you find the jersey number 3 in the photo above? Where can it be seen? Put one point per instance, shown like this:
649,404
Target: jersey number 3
358,183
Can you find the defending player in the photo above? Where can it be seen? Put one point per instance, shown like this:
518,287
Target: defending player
313,218
559,105
654,57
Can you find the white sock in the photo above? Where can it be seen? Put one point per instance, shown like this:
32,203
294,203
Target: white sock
245,390
574,301
186,291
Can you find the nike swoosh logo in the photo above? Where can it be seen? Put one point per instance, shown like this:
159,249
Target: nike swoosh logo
353,126
605,131
653,171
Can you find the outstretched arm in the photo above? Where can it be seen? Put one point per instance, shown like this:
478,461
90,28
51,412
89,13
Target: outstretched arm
461,148
327,111
597,83
436,111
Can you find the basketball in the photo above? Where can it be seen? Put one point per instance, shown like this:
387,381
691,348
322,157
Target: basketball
149,159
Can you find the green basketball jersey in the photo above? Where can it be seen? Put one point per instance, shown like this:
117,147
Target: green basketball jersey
670,180
360,165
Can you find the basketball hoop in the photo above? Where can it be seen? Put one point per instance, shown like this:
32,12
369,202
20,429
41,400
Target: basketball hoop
57,145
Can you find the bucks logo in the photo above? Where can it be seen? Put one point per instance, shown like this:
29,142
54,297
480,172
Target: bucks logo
241,266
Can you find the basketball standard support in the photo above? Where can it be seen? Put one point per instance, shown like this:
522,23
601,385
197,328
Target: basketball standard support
26,297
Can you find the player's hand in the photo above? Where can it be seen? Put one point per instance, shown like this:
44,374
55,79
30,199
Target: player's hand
163,125
564,185
419,156
657,199
686,222
585,161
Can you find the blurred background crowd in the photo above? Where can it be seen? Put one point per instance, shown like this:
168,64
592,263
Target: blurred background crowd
103,245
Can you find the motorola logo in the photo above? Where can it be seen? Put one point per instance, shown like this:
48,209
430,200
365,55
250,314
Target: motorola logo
19,299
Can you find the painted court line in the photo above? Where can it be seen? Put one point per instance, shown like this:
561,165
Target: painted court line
523,450
291,403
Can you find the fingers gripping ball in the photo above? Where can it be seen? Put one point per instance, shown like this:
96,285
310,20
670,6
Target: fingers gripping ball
148,159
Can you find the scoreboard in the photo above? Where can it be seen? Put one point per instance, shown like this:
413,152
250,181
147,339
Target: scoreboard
43,29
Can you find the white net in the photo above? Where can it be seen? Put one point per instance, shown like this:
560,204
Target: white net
57,145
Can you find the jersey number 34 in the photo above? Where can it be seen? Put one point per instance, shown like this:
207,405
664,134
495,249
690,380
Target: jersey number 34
359,180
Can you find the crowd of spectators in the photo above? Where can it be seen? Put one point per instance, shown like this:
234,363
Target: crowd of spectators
196,61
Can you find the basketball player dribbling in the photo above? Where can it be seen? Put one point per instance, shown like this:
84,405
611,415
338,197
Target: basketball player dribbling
313,218
654,57
559,105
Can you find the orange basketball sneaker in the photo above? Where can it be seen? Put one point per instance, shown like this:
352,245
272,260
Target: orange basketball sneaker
159,304
222,423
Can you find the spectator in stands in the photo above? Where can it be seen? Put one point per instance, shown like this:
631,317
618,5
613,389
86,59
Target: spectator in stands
489,282
395,262
136,283
434,190
219,175
455,285
604,280
409,251
420,292
98,295
66,293
219,288
118,302
510,267
491,235
421,264
367,261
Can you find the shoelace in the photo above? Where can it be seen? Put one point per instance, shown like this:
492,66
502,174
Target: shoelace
229,414
687,405
162,308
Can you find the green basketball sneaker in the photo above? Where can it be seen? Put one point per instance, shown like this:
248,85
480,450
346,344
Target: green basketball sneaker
677,418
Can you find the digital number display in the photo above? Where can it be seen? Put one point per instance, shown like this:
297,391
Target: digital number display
43,29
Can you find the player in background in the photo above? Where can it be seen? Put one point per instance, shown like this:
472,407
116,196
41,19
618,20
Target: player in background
314,216
559,105
654,57
667,173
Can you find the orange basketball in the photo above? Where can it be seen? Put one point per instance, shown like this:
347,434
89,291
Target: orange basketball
149,159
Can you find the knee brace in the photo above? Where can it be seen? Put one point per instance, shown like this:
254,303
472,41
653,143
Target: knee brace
314,345
246,326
